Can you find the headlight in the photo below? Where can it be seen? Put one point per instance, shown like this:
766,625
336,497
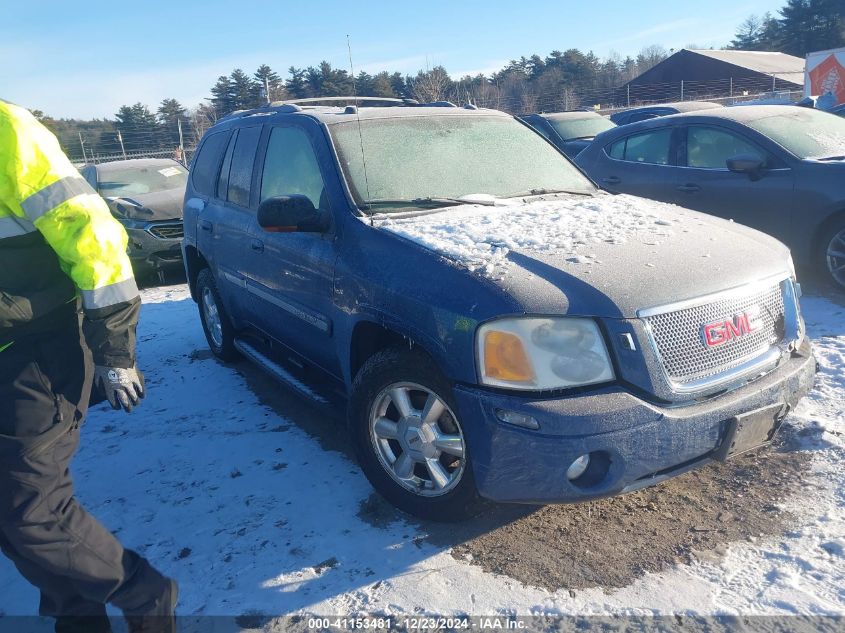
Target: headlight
535,353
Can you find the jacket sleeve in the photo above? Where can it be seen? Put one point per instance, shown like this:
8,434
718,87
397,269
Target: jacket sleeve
44,190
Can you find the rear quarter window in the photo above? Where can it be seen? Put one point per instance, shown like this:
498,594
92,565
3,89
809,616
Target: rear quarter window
207,163
650,147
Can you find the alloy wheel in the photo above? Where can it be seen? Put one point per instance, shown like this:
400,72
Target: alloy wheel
835,256
212,317
417,439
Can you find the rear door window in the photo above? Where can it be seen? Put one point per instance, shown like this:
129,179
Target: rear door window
205,166
710,148
650,147
223,178
243,159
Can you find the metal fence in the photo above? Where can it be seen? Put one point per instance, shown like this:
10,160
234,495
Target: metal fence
91,157
110,144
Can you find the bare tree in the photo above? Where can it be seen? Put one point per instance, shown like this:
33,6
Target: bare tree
202,117
431,85
650,56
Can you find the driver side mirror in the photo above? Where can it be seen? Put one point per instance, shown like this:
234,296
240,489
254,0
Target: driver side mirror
291,214
749,164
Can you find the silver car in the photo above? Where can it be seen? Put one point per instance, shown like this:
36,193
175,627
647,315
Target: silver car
145,195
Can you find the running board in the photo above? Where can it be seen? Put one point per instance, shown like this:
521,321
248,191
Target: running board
277,371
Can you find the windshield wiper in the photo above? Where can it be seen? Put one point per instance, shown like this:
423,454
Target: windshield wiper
546,192
832,158
482,199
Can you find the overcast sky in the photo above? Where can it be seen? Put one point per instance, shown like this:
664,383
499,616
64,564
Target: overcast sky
87,59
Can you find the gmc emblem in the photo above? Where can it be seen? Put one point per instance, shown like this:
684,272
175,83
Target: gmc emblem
720,332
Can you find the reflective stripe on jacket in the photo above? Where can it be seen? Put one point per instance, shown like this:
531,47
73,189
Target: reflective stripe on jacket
58,238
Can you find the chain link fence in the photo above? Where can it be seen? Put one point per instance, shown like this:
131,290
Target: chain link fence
179,139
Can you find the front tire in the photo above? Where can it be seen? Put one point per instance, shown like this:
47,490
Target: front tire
833,254
215,322
407,433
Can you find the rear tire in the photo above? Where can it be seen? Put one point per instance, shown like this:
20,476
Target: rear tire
832,255
419,461
215,322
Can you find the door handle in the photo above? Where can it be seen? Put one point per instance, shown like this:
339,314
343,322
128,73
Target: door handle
205,225
257,246
689,188
611,180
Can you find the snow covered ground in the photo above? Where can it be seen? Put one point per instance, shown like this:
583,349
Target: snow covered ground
252,514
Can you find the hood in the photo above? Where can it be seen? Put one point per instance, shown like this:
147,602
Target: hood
160,205
602,255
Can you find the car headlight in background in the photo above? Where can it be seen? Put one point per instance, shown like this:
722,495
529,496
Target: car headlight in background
537,353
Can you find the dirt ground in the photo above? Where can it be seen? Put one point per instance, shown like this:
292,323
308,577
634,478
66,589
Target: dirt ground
610,542
606,543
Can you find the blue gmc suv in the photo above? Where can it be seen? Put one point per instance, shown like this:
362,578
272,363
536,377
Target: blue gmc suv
499,327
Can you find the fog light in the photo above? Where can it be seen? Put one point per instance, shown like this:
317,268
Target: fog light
517,419
577,468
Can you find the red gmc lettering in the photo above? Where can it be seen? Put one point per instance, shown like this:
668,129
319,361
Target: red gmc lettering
723,331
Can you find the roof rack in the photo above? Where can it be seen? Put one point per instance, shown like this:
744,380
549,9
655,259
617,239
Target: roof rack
391,100
294,105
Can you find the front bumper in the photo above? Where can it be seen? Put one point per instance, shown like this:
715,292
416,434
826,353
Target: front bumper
148,251
645,442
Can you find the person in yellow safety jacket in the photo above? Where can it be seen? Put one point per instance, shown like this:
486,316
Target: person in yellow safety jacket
59,247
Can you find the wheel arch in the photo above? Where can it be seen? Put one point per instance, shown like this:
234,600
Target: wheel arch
837,217
194,263
822,233
370,337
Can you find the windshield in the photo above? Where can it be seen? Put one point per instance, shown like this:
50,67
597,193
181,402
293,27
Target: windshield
587,127
804,132
422,157
135,181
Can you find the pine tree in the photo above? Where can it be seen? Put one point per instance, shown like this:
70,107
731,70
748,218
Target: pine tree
296,86
811,25
325,81
139,128
245,90
222,98
170,112
382,86
268,79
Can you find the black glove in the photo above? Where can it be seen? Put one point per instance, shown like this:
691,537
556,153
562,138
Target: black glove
123,387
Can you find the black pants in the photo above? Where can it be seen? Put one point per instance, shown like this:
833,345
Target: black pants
76,563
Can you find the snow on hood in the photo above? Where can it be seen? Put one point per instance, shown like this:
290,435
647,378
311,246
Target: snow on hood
481,237
603,255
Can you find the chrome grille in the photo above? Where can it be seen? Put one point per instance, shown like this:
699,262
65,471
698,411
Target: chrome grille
170,231
678,334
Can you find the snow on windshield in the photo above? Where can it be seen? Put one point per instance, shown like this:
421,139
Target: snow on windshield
831,143
481,237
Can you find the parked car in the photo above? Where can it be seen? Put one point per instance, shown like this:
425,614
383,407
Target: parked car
501,328
643,113
145,195
570,132
778,169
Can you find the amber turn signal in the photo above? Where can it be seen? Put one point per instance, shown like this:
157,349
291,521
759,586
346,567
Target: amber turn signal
505,358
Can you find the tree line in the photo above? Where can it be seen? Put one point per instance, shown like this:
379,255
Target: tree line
802,27
562,80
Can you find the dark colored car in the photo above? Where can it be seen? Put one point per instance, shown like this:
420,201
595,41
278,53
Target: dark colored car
839,110
497,325
643,113
779,169
145,195
570,132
